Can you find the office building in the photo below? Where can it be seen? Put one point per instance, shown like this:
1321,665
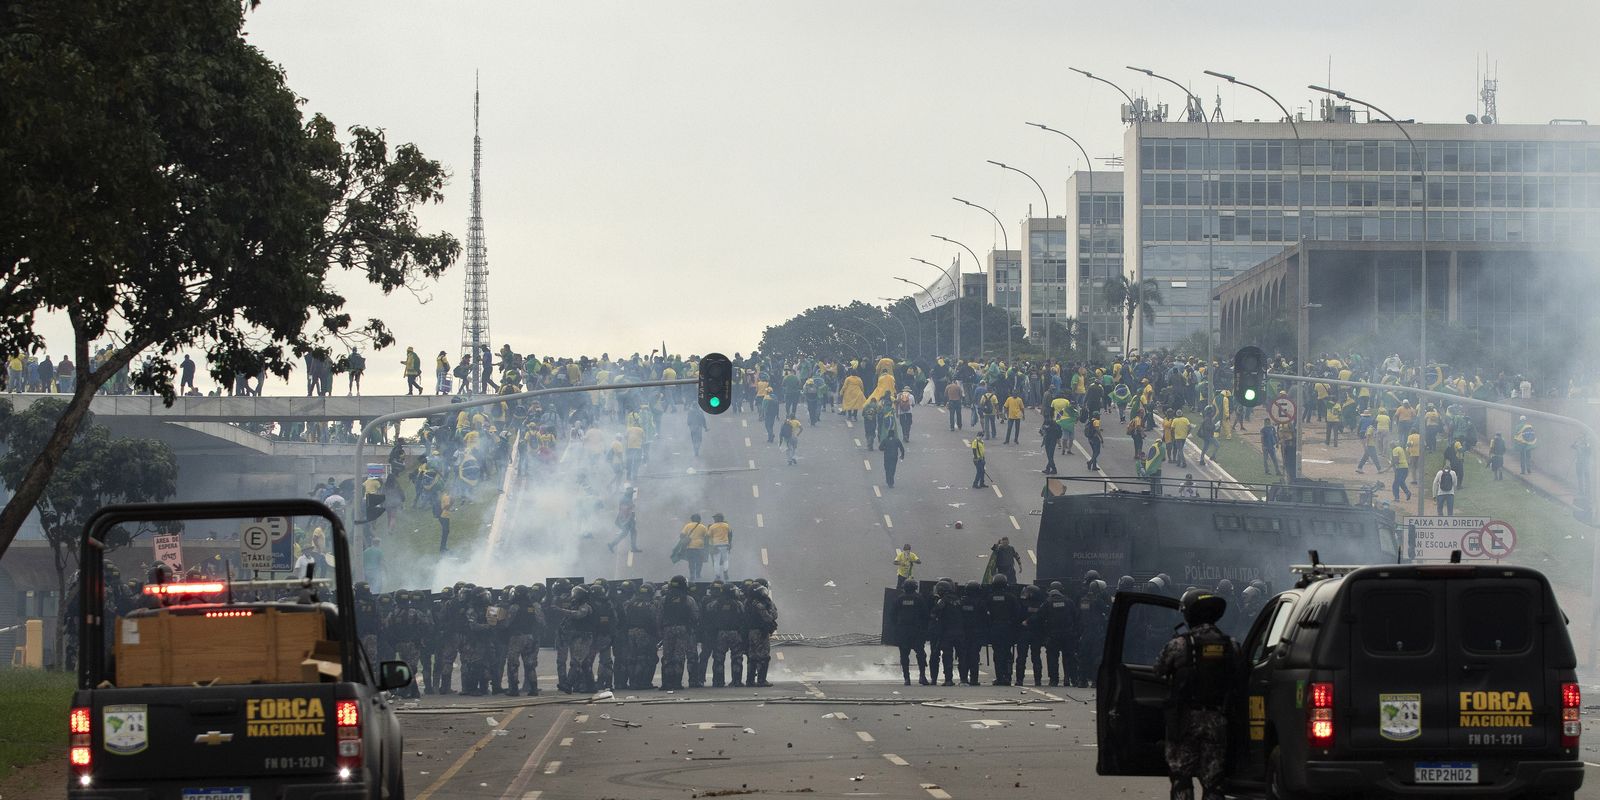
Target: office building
1005,283
1044,274
1095,253
1243,196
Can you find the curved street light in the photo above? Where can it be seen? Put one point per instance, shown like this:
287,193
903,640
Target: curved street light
905,338
984,305
956,313
1070,199
1006,239
935,316
1138,116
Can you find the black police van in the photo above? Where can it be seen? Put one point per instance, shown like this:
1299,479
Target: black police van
199,687
1428,680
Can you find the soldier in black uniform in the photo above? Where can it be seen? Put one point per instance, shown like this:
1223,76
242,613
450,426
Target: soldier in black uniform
641,629
433,606
705,637
622,659
499,642
974,629
368,621
945,631
1005,615
406,626
524,624
476,646
910,627
1201,665
602,626
1094,606
761,619
678,621
386,606
451,625
560,598
579,618
1056,622
725,612
1029,640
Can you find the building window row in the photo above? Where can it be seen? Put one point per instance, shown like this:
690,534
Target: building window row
1460,191
1181,225
1370,156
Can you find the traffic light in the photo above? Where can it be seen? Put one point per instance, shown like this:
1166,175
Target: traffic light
716,383
1249,375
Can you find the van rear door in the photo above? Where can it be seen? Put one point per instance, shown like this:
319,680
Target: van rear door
1130,699
1500,692
1393,699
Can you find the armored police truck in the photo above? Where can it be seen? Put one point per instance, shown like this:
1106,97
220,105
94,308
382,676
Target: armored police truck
208,687
1206,531
1415,680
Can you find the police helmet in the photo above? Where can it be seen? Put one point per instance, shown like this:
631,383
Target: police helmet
974,586
1201,607
763,582
943,587
481,598
536,591
1156,585
909,587
1097,587
1165,578
1091,576
1250,593
363,588
1056,594
1225,586
160,573
580,592
647,588
1055,586
1030,592
1125,583
1000,580
1259,584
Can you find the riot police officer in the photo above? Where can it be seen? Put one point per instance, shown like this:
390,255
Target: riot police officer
603,627
579,616
1201,666
406,625
678,619
1094,607
641,629
1029,640
910,626
725,612
368,620
476,645
524,625
974,628
1056,619
944,631
560,599
761,619
1005,616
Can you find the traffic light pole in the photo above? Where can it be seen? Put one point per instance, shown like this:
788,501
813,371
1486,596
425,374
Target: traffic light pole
1593,489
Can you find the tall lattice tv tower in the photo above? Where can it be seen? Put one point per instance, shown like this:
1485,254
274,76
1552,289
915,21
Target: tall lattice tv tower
475,305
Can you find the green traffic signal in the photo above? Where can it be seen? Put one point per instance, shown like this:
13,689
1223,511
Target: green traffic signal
1250,397
715,402
1249,375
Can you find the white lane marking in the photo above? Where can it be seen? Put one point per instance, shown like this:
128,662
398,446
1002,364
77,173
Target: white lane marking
1043,693
864,736
858,442
746,441
779,654
566,742
887,523
755,491
812,690
877,492
1015,524
996,488
744,423
533,795
764,561
550,768
867,464
1591,764
752,463
760,523
630,558
935,792
849,424
896,760
1032,557
581,718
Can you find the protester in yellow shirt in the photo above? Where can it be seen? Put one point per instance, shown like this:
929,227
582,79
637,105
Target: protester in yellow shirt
692,546
1014,414
904,562
721,536
1180,437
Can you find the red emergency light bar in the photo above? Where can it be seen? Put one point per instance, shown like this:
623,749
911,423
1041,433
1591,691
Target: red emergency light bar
213,587
229,614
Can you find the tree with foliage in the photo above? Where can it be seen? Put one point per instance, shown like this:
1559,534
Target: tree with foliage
1136,299
163,191
94,470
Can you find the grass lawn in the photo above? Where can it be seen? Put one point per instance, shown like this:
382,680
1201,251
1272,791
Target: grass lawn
34,705
415,539
1238,458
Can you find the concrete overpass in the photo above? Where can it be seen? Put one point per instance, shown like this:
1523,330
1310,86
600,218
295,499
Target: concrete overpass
108,408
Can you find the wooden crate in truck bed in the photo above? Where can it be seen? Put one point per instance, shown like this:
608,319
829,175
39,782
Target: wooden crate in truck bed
177,647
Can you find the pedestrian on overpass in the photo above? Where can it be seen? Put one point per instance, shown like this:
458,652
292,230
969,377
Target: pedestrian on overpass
413,370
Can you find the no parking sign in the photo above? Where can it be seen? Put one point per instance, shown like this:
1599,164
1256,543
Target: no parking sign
1495,540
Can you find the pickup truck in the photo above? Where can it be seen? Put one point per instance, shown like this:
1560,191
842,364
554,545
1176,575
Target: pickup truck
213,688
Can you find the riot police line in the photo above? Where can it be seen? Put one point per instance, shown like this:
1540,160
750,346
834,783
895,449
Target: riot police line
606,635
1057,626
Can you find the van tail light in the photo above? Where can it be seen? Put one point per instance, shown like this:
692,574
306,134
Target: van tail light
80,747
1319,726
1571,703
347,716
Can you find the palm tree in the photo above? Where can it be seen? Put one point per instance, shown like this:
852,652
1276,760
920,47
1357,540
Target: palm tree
1136,299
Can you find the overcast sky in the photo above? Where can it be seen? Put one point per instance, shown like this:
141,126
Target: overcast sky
695,171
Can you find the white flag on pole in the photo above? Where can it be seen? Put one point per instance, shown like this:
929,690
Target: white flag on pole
941,291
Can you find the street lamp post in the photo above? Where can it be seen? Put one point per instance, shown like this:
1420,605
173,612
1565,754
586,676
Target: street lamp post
935,317
1422,171
982,354
1067,215
1211,218
956,345
1303,290
905,338
885,336
1006,238
1137,114
1048,316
